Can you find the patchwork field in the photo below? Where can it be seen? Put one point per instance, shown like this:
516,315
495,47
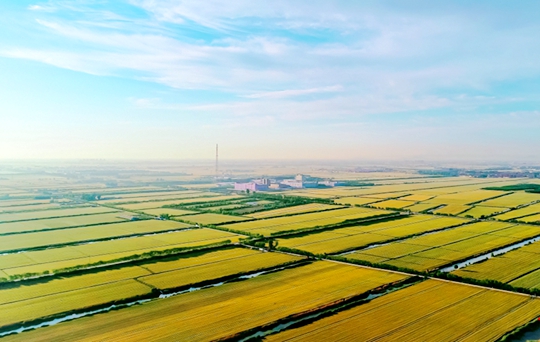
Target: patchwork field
421,313
305,221
72,235
169,211
519,268
210,218
227,310
512,200
452,209
34,215
392,204
179,202
107,251
61,222
355,200
480,211
54,296
342,239
297,209
515,214
432,251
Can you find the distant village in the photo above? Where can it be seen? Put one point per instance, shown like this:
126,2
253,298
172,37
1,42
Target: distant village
298,182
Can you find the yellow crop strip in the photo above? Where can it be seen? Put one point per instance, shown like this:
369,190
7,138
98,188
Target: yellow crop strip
39,307
210,218
305,208
45,238
478,211
452,209
222,311
346,238
217,269
515,214
355,200
52,223
57,258
512,200
392,204
438,249
421,313
304,221
33,215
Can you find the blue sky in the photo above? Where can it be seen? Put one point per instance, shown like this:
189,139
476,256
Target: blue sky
388,80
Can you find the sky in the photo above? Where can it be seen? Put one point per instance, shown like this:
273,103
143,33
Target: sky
337,80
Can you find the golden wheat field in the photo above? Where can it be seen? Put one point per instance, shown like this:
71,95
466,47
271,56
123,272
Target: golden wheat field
359,236
480,211
225,310
62,222
210,218
442,248
512,200
421,313
392,204
104,251
40,214
532,209
71,235
504,268
297,209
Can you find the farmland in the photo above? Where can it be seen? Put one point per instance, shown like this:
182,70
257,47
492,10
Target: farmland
514,267
49,260
216,263
435,250
298,209
360,236
481,211
463,314
392,204
518,213
60,295
71,235
61,222
34,215
210,218
227,310
305,221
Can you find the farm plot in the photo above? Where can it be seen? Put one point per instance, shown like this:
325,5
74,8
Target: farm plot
452,209
480,211
210,218
223,311
467,197
59,295
427,252
169,211
108,251
506,268
34,215
512,200
142,198
298,209
360,236
61,222
179,202
530,219
421,313
522,212
72,235
114,197
30,302
392,204
33,207
216,265
417,197
278,225
15,203
356,200
421,207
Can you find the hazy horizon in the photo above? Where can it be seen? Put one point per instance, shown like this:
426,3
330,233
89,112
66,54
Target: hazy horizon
370,81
